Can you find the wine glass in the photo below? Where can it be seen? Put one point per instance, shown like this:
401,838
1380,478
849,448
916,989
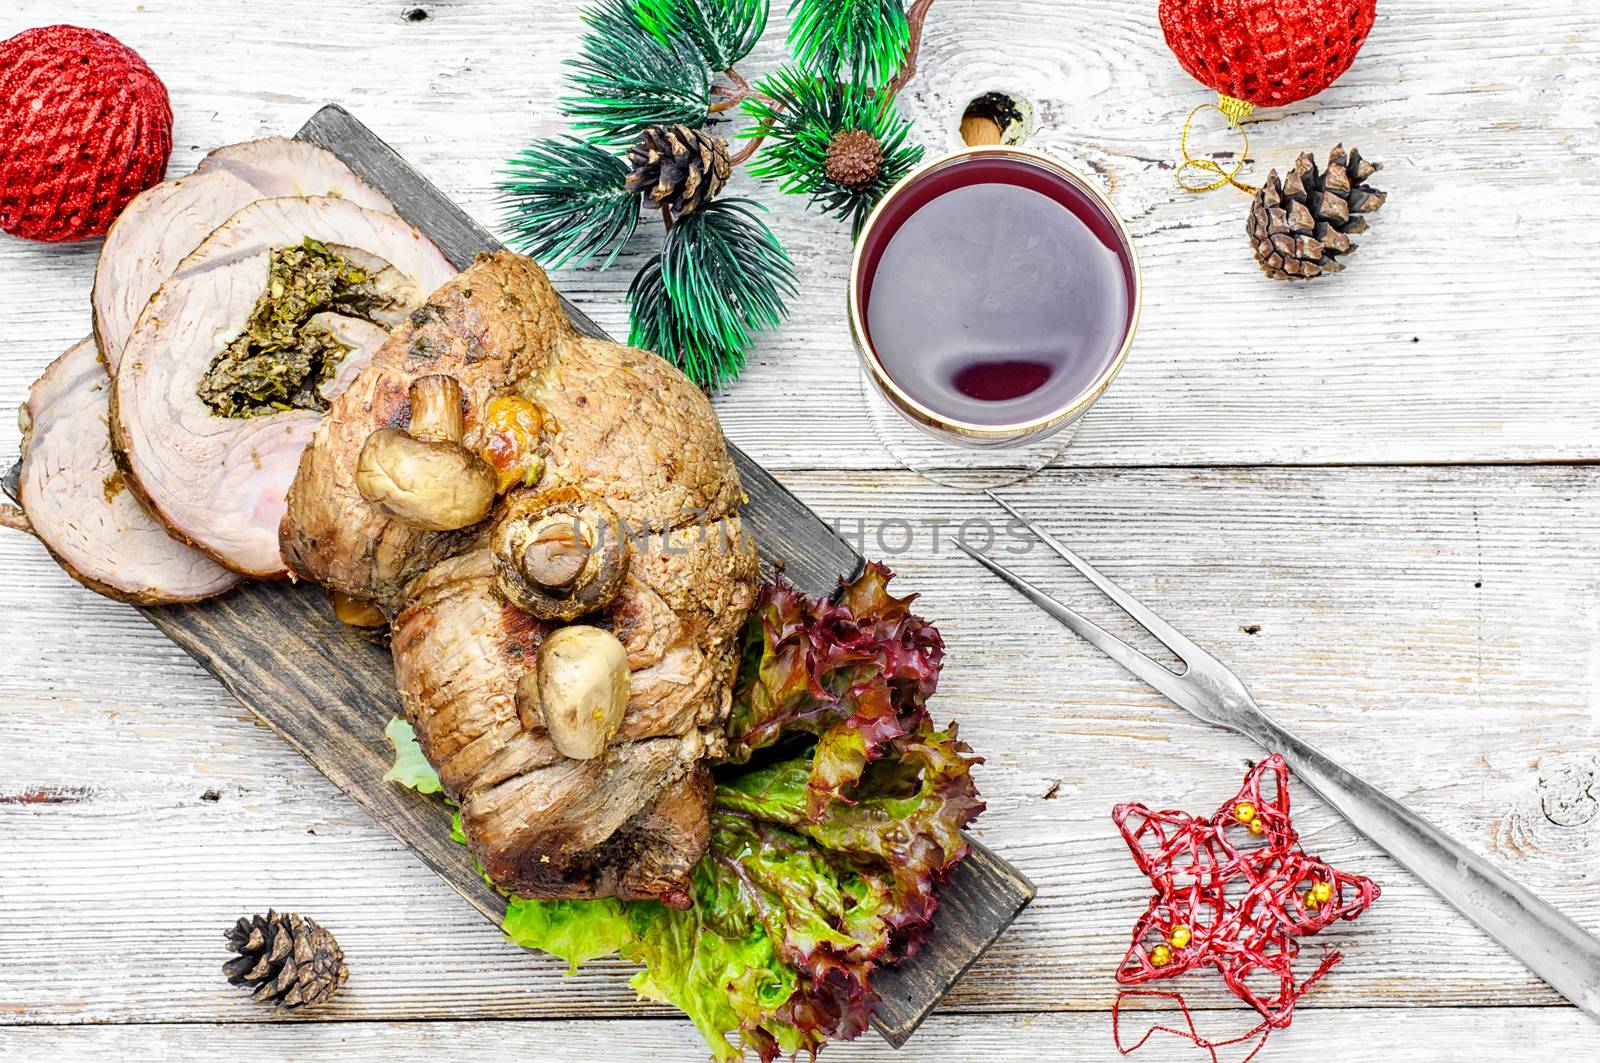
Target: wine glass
994,295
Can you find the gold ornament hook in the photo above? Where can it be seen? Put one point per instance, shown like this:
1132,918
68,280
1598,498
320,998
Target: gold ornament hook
1235,111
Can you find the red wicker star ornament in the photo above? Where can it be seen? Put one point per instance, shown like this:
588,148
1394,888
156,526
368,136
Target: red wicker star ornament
1235,892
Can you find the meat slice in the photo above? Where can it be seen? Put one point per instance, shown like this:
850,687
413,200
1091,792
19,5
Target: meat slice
164,224
79,506
633,437
215,474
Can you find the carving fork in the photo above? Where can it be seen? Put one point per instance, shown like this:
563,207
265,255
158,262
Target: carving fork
1549,943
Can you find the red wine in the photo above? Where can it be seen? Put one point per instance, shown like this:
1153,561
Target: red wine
995,291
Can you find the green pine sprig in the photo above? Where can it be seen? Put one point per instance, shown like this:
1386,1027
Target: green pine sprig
800,114
720,278
721,275
723,30
567,203
865,40
629,76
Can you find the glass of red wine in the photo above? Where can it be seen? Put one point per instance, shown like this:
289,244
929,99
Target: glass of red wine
994,295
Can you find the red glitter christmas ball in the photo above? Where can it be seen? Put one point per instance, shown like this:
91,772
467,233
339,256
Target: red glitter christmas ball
85,125
1267,52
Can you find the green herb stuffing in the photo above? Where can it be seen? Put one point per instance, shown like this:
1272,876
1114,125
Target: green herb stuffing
821,867
281,359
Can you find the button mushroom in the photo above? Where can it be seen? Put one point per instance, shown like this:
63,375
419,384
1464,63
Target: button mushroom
558,554
425,477
580,683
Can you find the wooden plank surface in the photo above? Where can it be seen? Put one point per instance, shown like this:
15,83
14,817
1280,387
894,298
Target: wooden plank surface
1409,1035
1436,627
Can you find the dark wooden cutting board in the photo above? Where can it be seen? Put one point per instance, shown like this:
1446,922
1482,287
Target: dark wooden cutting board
280,651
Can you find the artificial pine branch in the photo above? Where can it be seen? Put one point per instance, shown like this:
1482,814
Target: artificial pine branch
916,19
804,116
864,40
723,30
729,97
629,76
724,267
567,202
721,277
653,326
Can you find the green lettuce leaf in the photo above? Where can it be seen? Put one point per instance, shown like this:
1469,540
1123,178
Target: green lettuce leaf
715,961
904,820
410,767
824,862
719,964
575,931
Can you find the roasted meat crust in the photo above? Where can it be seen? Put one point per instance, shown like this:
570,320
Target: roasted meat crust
490,327
636,432
620,425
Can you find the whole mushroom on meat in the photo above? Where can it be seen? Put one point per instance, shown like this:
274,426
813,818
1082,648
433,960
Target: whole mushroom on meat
559,554
580,688
424,476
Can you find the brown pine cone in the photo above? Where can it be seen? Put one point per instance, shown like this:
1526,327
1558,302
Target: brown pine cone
290,961
854,159
678,167
1300,226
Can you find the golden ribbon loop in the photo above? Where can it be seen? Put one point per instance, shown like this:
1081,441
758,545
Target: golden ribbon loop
1233,110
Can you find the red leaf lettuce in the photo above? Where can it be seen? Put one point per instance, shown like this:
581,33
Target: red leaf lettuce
837,815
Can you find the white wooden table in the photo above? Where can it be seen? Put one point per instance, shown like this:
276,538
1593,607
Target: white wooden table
1374,495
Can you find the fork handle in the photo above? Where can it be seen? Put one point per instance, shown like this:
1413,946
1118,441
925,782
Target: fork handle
1552,945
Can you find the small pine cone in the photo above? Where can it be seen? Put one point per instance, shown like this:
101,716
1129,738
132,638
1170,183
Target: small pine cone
854,159
678,167
289,961
1300,227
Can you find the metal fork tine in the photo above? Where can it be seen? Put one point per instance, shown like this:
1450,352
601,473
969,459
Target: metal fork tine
1154,673
1171,637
